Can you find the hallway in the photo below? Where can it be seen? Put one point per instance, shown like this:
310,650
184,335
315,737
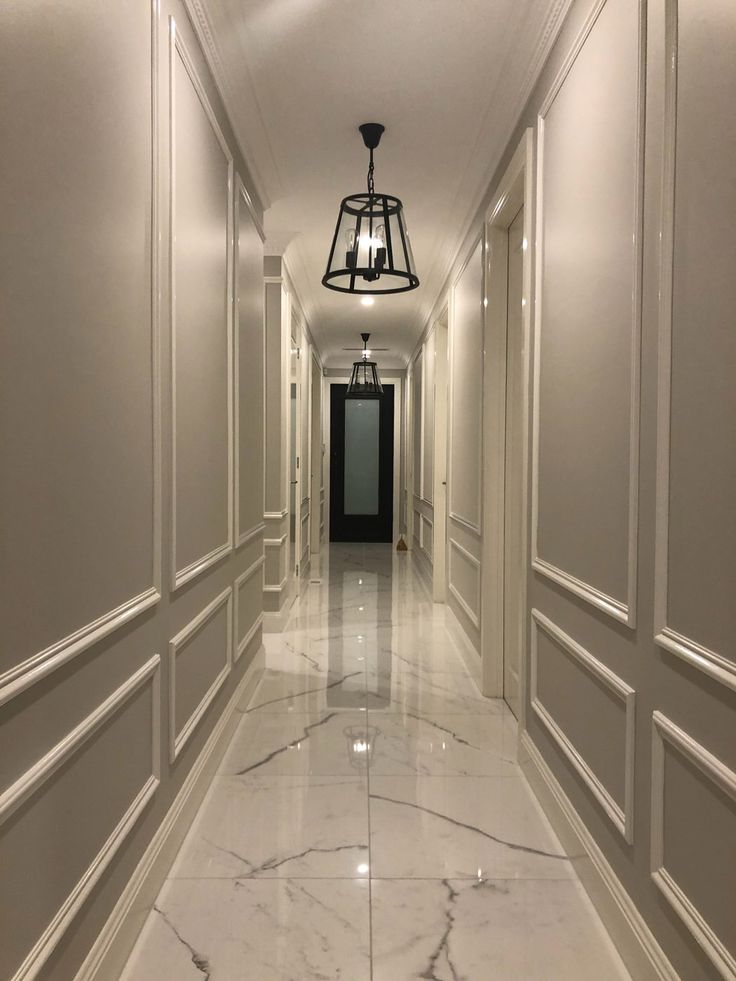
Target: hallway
368,819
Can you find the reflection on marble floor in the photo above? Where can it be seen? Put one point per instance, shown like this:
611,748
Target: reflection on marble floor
369,820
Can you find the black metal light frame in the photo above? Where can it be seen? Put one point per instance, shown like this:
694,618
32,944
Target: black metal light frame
364,381
375,249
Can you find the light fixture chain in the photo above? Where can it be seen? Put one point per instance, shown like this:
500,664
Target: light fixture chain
371,185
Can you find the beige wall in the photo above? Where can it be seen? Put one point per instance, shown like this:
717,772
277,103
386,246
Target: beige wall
130,426
629,654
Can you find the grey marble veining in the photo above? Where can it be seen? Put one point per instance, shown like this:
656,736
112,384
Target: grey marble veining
369,821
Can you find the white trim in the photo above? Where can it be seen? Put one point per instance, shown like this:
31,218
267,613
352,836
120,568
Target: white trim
275,515
615,608
248,200
176,46
622,610
633,938
715,770
476,527
177,741
277,589
274,542
24,675
245,642
33,780
716,665
251,533
621,817
243,578
115,941
471,614
221,77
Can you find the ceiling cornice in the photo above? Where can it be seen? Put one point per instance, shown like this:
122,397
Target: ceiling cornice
547,37
203,29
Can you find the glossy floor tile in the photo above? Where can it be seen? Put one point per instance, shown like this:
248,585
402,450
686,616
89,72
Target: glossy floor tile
368,820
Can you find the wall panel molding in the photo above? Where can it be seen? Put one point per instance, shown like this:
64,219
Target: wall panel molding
665,731
178,739
241,193
34,779
193,570
621,817
32,669
472,524
623,610
472,614
712,663
243,578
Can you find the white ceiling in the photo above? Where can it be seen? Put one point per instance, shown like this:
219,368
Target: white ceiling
447,78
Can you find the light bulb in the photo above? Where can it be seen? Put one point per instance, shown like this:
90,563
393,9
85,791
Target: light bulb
380,236
380,242
351,254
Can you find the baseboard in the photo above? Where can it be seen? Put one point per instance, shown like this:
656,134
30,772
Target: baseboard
471,657
635,942
112,948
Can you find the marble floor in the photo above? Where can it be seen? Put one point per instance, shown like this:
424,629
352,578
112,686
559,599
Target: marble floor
369,820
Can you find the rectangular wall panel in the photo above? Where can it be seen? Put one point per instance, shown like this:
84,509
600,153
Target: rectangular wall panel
200,657
73,795
466,393
694,839
464,580
696,532
77,405
249,341
599,740
201,219
248,608
585,486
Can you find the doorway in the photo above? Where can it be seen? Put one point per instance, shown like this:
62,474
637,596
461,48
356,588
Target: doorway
504,627
513,544
361,466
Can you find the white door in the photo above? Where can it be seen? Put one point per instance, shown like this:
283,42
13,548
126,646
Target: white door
513,490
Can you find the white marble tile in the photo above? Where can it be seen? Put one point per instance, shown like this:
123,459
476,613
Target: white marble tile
432,699
264,930
284,692
530,930
278,827
449,745
320,743
366,703
457,827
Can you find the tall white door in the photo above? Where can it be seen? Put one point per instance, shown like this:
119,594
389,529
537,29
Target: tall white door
513,544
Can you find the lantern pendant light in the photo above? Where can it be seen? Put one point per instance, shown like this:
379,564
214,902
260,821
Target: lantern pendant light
371,252
364,380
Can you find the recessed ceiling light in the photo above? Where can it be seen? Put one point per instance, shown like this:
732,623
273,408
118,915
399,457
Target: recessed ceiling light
367,301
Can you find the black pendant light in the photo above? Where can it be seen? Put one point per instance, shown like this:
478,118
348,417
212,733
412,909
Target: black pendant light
371,252
364,381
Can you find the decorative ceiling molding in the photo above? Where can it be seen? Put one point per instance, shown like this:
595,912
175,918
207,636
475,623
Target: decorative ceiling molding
202,27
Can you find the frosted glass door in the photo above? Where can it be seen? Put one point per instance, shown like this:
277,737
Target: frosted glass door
361,456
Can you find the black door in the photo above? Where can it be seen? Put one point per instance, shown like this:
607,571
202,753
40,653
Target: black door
362,467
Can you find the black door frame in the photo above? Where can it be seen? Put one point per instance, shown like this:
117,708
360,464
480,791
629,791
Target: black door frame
361,528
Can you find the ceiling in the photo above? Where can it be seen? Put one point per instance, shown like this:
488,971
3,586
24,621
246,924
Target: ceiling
447,78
